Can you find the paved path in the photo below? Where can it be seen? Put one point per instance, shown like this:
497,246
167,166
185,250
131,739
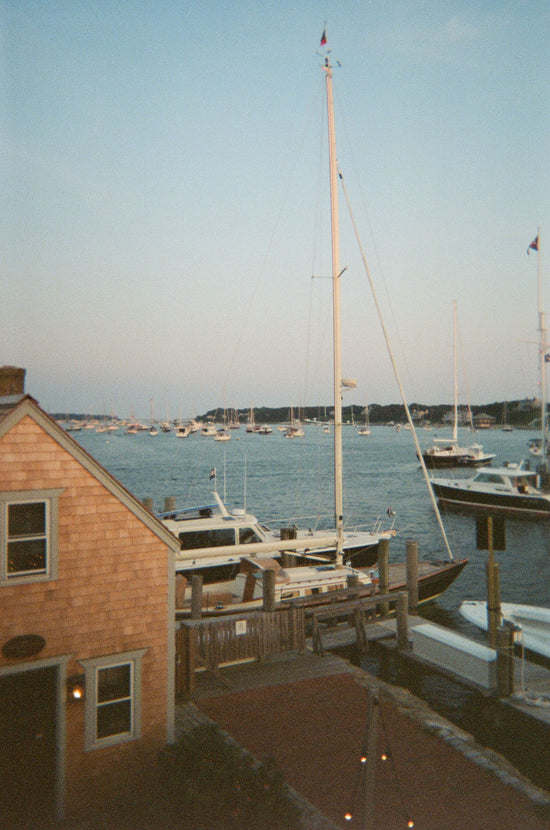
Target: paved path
309,713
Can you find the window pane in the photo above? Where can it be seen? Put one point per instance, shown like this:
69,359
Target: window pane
191,539
113,683
247,536
26,519
114,719
29,555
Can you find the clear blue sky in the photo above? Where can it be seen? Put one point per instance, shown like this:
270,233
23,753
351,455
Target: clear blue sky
164,199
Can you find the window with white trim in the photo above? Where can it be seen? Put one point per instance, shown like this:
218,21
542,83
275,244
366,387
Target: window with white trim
113,699
28,536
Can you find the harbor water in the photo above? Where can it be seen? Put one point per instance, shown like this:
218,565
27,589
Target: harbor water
276,478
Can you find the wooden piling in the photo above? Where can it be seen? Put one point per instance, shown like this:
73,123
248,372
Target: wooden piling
148,503
169,504
196,597
268,579
493,588
402,616
412,574
384,574
505,660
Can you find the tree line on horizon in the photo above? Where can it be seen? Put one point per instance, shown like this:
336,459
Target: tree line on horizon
520,413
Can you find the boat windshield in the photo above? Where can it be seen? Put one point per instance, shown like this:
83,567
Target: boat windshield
219,537
248,536
491,478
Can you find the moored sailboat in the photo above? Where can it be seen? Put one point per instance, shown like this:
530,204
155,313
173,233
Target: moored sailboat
333,573
446,452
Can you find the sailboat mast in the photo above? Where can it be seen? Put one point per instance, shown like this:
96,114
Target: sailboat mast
338,493
543,350
455,427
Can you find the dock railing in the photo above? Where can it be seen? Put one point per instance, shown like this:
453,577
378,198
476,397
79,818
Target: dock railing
210,642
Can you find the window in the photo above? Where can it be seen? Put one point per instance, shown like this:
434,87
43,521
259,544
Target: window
248,536
28,535
113,699
192,539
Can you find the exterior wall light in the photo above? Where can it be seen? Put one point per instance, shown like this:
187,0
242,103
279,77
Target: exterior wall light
75,687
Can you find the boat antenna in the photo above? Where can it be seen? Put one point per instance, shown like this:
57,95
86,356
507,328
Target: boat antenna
396,371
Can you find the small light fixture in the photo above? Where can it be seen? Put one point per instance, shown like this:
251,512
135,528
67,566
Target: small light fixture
76,687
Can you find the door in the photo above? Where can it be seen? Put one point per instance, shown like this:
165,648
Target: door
27,747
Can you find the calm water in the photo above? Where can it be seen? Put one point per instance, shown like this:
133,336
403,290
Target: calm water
278,478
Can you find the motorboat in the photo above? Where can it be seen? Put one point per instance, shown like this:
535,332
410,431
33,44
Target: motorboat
446,452
214,538
511,490
531,621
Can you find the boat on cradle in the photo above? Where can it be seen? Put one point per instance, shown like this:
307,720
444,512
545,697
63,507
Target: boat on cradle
446,452
333,557
532,622
511,491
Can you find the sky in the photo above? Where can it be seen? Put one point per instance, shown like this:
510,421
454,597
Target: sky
165,231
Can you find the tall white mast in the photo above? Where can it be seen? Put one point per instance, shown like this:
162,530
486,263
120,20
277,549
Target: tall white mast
455,427
543,350
338,494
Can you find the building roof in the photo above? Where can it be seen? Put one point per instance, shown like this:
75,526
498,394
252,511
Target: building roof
13,411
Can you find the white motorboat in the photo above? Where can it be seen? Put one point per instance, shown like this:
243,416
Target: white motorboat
532,621
510,491
214,539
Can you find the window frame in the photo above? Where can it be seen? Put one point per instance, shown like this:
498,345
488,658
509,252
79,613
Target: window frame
92,668
50,498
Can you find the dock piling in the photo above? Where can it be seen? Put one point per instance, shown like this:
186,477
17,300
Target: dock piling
505,660
196,597
384,574
268,578
412,574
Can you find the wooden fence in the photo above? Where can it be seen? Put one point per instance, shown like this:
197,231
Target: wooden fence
211,642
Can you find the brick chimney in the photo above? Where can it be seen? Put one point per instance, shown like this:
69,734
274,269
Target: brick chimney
12,382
